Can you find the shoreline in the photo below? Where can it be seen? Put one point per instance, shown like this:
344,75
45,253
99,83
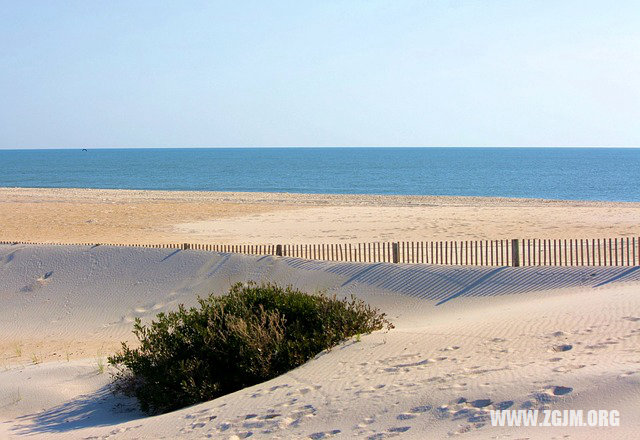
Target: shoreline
290,198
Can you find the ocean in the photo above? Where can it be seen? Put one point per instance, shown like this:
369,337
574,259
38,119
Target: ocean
552,173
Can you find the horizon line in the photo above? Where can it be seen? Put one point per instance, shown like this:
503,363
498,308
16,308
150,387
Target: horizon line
316,146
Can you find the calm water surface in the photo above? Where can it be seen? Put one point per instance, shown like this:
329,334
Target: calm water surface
558,173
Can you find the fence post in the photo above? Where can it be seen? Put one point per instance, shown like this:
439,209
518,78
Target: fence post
279,250
395,252
515,253
185,246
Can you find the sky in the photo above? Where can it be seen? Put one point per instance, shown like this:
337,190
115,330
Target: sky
319,73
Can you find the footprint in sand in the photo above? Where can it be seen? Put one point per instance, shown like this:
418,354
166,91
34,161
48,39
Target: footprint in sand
270,416
254,424
528,404
38,283
391,432
304,390
475,412
400,429
241,435
304,411
561,348
481,403
567,368
561,391
414,412
549,394
503,405
406,416
262,392
324,434
466,428
268,423
43,279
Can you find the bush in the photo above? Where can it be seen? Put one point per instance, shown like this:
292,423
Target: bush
252,334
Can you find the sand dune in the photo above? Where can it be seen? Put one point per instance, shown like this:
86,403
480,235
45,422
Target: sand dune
467,340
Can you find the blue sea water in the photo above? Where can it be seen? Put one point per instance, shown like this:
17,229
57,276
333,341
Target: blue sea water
552,173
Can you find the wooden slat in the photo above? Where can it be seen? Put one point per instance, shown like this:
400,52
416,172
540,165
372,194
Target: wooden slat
599,254
627,249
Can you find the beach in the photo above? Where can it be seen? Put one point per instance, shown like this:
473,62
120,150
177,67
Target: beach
164,217
467,340
320,220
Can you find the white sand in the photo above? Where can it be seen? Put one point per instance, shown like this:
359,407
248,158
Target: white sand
461,333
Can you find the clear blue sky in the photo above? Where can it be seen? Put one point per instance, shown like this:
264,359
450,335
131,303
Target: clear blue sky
329,72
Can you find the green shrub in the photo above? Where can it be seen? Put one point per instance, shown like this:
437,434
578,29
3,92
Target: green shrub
252,334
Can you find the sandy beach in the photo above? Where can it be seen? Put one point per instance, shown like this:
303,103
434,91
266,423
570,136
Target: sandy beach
182,183
162,217
467,339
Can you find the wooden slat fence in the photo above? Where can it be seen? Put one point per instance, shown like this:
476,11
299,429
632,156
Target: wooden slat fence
621,251
485,253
